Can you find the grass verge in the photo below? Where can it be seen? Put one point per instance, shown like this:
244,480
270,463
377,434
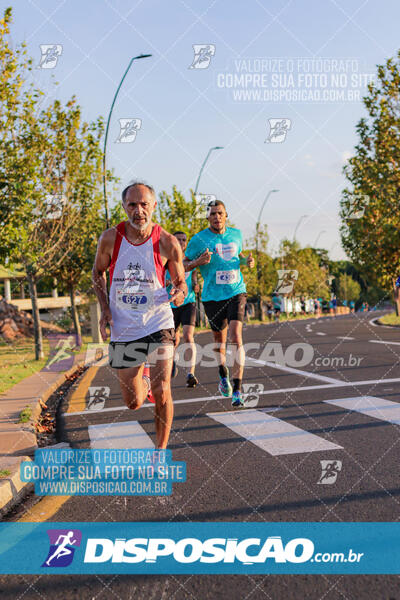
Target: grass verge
17,361
390,319
25,415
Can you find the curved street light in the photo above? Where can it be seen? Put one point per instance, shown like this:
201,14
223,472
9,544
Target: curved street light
203,165
106,135
199,313
298,225
318,236
260,316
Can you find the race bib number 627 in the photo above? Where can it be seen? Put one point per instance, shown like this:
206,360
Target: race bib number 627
139,301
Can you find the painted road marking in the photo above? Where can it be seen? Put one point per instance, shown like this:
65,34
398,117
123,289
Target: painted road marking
378,408
304,388
372,322
272,434
43,510
128,434
345,337
77,400
382,342
299,372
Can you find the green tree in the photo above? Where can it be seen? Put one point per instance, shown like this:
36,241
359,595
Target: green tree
369,207
41,185
175,213
312,278
22,144
82,181
262,277
347,288
18,105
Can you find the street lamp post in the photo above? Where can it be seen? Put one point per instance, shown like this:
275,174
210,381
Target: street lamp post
106,136
195,193
259,311
318,236
298,225
204,164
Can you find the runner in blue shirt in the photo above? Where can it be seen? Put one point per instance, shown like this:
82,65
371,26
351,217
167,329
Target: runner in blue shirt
185,315
218,252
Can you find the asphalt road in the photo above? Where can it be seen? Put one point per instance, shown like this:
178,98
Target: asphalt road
315,391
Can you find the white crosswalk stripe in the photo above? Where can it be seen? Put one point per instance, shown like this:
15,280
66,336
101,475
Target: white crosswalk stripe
378,408
271,434
128,434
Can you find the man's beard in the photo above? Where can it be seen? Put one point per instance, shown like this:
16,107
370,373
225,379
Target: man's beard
140,226
218,227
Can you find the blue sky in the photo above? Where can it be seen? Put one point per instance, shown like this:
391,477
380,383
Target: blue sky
186,111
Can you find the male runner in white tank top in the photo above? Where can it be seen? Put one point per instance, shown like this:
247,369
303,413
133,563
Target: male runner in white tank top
137,253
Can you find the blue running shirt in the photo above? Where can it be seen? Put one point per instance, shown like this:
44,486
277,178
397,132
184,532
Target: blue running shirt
191,297
222,276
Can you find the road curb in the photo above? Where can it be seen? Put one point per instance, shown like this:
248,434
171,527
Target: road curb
375,322
12,489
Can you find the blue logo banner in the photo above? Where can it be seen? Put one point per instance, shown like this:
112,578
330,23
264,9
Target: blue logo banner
200,548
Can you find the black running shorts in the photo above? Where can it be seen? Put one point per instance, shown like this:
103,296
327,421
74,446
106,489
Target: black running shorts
123,355
185,314
221,312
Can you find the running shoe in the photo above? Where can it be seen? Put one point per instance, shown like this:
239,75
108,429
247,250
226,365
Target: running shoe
191,381
237,399
174,371
224,386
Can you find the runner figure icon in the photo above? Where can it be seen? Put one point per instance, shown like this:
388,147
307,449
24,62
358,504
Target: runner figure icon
330,471
62,550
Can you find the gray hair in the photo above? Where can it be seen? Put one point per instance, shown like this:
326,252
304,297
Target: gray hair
135,183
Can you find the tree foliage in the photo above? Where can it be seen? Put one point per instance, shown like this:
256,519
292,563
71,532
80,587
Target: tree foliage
348,289
50,178
263,276
312,278
175,213
370,210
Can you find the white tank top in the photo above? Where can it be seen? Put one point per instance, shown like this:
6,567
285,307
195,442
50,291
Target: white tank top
138,299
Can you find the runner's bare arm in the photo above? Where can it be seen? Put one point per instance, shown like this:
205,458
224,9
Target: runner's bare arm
171,250
203,259
195,284
101,264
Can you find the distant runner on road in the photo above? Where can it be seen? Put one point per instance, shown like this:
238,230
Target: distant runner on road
137,252
217,250
185,315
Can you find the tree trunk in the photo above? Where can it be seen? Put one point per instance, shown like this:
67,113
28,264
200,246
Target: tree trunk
35,314
396,295
75,317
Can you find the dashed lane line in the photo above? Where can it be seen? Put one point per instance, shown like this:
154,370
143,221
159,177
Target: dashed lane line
383,342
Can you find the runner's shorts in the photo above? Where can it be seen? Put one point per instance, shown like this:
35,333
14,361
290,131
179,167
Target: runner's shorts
221,312
123,355
185,314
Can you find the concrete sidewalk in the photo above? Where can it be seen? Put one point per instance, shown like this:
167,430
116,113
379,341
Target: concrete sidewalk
18,440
